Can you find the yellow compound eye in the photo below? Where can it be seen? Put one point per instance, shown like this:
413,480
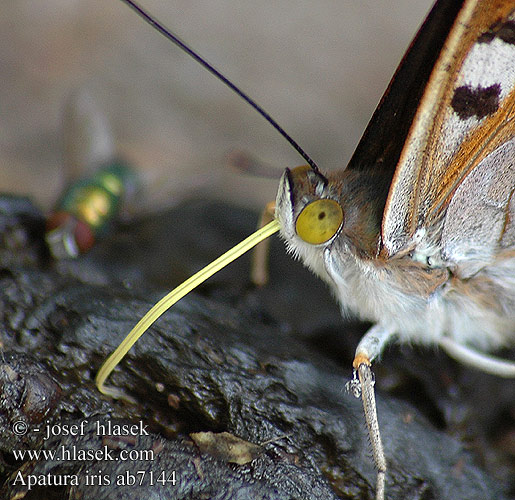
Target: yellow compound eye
319,221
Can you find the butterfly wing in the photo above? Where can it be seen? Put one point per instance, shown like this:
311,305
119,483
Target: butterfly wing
457,164
382,142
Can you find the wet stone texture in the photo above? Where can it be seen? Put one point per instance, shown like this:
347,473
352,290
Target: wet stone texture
264,369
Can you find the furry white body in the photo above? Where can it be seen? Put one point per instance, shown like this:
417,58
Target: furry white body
409,298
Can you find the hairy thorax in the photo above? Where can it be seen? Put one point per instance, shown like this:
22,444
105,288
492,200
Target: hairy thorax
420,301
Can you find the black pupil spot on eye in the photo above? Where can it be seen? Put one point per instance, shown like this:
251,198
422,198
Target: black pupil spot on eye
321,215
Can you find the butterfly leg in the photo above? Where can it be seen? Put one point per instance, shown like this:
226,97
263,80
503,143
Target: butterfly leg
369,348
259,264
244,163
366,379
469,356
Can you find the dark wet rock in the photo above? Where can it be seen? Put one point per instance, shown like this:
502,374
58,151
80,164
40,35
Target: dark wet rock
21,231
267,366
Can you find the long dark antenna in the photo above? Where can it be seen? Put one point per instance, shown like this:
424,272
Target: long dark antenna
177,41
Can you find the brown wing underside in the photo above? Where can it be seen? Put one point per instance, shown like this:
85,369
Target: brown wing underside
459,121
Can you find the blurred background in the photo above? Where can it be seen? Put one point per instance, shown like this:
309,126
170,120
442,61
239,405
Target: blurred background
318,67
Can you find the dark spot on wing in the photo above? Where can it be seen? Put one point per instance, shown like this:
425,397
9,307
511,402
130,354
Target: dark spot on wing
479,102
505,31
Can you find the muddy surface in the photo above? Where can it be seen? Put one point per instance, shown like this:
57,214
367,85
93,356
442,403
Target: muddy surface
266,366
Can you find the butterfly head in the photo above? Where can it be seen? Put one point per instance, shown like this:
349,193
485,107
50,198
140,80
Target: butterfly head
308,208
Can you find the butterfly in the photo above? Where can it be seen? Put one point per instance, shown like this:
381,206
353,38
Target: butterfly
417,233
